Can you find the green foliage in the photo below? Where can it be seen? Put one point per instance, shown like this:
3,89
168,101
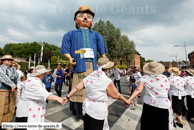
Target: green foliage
148,61
54,60
142,60
122,66
1,52
24,66
64,62
46,55
118,45
28,49
166,68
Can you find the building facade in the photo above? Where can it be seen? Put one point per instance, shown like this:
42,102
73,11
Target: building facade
132,64
191,59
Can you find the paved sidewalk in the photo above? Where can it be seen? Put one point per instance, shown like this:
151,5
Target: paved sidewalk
119,118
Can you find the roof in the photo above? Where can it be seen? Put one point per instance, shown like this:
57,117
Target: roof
165,63
191,52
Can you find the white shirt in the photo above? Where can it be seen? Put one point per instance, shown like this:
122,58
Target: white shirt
33,100
176,86
28,75
137,76
156,93
116,73
20,74
189,86
96,96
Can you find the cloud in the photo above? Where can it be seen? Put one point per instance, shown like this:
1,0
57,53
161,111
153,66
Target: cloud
152,25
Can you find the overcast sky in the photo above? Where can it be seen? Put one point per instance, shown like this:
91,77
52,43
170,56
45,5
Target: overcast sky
154,25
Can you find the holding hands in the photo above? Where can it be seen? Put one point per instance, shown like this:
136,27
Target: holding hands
65,100
61,100
127,103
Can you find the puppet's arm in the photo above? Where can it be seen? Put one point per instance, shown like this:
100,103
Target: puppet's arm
68,56
103,55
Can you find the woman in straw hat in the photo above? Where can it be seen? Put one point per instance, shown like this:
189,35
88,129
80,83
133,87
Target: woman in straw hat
177,94
189,89
97,89
31,106
20,78
157,111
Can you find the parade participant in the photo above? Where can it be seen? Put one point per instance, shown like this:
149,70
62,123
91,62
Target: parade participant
130,76
30,71
177,94
133,86
127,73
117,73
58,72
31,106
189,89
69,73
157,111
137,76
64,76
20,78
8,87
85,39
97,89
47,82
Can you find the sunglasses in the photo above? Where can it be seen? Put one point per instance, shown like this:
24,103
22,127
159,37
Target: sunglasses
9,59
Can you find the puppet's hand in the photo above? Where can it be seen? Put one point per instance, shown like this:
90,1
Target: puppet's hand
72,63
68,56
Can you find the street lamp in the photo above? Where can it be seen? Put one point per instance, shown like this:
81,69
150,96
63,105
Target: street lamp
185,51
41,43
176,59
34,59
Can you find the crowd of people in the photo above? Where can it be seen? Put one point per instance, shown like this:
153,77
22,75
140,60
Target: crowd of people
164,95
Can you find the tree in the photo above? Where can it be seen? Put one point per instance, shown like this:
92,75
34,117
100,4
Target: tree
28,49
54,59
1,51
118,45
142,60
148,61
46,55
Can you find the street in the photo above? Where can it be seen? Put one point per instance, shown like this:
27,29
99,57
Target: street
119,118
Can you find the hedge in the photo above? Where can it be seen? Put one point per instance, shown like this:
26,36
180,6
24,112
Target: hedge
24,65
121,66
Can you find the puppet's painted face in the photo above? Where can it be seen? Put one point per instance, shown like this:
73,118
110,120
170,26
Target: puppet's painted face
84,20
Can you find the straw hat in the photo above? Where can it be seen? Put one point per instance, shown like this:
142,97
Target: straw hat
105,63
17,65
32,67
8,57
84,9
38,70
174,70
153,68
190,71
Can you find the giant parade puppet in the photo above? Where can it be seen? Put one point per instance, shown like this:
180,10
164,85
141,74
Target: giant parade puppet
88,41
